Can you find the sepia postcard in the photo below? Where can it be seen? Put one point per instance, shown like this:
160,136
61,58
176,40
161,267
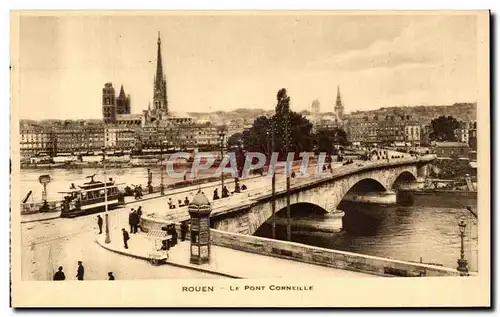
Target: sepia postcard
250,159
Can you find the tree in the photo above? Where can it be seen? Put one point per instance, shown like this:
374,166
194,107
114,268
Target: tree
443,128
235,139
325,139
258,137
340,137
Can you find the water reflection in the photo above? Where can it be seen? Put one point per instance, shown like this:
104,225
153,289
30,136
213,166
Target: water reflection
404,233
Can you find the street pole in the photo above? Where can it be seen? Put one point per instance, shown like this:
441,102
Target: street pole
273,186
162,189
287,137
108,238
462,262
221,135
105,180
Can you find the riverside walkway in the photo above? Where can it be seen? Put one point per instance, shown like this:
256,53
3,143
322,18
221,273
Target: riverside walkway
224,262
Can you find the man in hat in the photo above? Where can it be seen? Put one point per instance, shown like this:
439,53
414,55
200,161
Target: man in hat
184,230
126,237
99,223
131,220
59,276
80,272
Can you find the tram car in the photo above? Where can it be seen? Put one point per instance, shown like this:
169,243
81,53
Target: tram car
89,198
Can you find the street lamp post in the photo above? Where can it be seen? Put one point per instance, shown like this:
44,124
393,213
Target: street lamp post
462,262
273,183
221,136
108,238
105,179
162,187
287,140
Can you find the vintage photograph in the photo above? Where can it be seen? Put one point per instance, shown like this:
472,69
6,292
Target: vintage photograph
215,147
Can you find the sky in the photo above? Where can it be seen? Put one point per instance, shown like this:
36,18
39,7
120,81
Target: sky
224,62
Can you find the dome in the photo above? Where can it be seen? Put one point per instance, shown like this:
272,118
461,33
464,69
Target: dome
200,200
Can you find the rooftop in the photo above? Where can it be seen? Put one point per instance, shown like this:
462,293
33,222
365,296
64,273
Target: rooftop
200,200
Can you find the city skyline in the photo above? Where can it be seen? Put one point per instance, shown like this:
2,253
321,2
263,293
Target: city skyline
243,60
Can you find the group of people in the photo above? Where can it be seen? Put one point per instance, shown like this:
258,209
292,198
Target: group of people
138,192
225,191
134,219
171,203
166,244
80,273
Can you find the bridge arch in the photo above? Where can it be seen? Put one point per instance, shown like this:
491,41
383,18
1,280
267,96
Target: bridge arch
327,194
404,177
366,185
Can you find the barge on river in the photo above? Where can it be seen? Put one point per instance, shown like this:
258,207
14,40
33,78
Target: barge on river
90,198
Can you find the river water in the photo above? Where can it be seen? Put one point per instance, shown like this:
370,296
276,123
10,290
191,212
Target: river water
62,178
427,230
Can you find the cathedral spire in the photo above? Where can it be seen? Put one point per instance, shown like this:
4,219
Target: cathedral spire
159,64
122,93
339,107
160,84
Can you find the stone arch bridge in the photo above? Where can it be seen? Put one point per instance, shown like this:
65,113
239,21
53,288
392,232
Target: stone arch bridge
326,192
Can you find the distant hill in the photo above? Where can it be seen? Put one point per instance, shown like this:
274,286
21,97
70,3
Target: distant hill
424,114
246,116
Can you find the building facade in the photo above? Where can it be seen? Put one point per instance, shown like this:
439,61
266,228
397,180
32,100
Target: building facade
473,135
412,133
36,140
462,133
79,138
362,130
451,149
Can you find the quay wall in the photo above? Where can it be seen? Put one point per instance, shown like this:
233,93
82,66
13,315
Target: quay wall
327,257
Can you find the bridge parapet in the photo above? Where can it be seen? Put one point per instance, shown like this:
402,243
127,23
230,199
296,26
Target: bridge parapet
328,257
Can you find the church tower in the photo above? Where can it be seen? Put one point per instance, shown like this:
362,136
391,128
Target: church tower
339,108
160,102
108,103
123,102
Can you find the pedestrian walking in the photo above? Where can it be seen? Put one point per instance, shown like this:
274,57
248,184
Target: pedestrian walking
59,275
111,277
173,232
216,194
186,201
170,204
139,214
80,271
131,220
126,237
135,221
184,230
99,223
